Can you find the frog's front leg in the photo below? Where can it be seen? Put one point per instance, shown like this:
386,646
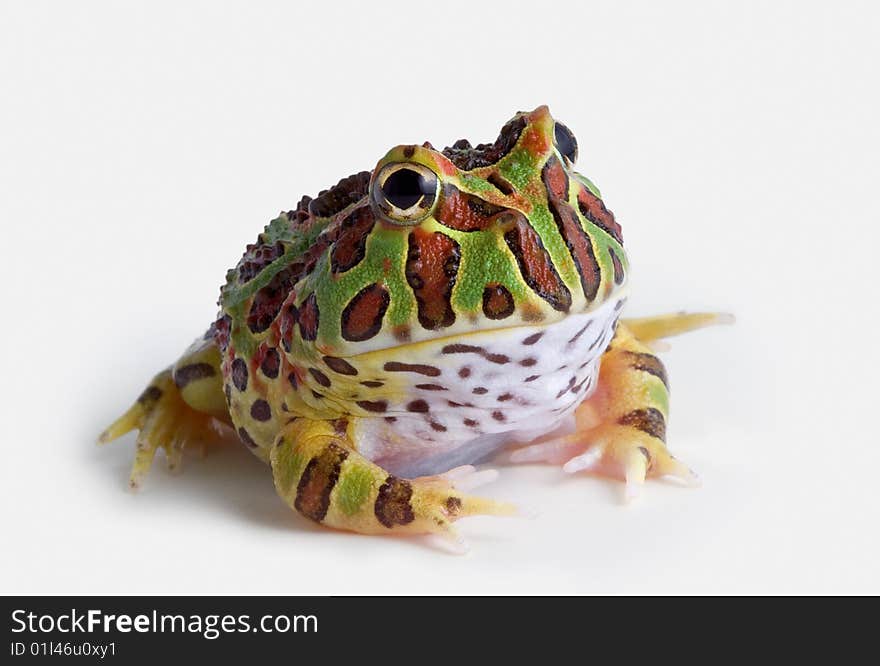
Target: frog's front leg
621,429
180,406
319,472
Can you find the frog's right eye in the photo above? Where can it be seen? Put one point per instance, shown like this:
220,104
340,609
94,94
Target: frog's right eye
565,142
405,192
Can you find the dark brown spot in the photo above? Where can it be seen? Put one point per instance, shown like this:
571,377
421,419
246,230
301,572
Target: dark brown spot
319,396
346,192
294,384
467,157
350,246
497,301
239,374
471,423
431,387
535,265
471,349
267,302
504,397
192,372
340,365
532,378
466,212
462,349
393,503
618,266
480,390
464,372
373,384
150,396
576,239
533,338
245,437
439,427
453,506
260,410
428,370
571,382
391,419
648,363
528,362
271,363
362,317
409,151
373,405
499,182
431,268
594,210
256,257
648,420
498,415
417,406
340,426
320,377
317,482
308,318
577,335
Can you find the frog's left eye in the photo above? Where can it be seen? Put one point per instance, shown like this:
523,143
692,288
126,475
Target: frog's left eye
565,142
405,192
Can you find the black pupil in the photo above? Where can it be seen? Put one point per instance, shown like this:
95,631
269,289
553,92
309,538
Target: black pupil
565,141
404,188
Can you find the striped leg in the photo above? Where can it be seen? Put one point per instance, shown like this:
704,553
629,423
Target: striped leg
319,473
621,428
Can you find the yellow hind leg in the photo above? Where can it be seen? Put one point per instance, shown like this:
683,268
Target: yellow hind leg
319,472
621,428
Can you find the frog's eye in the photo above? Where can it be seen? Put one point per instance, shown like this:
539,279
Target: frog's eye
405,192
565,142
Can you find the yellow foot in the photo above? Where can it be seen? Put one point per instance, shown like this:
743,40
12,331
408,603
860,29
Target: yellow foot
164,421
438,501
613,451
648,329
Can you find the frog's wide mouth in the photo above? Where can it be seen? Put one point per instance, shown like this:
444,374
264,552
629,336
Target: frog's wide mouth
528,334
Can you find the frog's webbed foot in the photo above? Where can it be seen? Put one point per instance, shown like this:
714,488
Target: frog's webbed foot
318,472
621,430
164,421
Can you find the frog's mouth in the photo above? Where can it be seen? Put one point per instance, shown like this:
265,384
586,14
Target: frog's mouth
519,342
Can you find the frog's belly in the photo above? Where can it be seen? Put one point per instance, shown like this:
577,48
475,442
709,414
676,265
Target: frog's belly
497,388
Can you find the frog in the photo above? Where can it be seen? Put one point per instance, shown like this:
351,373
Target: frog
381,340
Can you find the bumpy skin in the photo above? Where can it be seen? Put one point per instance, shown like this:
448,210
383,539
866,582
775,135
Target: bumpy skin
425,315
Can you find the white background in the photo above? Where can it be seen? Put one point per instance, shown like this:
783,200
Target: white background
144,144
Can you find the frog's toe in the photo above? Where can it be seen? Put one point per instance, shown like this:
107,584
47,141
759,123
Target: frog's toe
437,506
612,451
164,421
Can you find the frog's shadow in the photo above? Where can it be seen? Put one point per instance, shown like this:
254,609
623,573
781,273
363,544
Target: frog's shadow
227,477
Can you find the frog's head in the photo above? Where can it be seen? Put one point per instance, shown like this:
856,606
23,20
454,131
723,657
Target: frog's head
496,235
432,244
